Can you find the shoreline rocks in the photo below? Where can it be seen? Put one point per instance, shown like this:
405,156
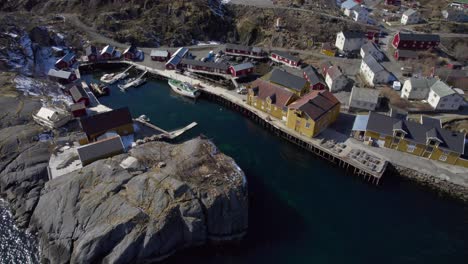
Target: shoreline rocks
105,213
435,184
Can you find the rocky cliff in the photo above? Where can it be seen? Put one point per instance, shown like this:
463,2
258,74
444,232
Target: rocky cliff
169,197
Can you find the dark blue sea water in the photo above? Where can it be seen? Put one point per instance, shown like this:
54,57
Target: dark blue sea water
302,209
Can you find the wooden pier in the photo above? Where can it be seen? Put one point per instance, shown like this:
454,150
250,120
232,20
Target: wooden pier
220,95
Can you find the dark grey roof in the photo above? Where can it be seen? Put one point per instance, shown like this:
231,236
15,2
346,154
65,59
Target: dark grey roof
209,64
243,66
181,52
353,34
286,55
418,37
91,50
175,60
416,132
77,92
68,57
430,121
132,49
103,122
108,49
372,63
100,149
408,54
311,73
409,12
287,80
370,47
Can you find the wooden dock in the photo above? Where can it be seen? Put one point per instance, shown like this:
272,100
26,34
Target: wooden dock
362,164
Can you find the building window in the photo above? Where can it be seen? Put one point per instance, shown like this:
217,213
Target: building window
411,148
443,158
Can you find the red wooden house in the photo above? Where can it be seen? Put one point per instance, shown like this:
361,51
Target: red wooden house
324,67
78,109
241,50
66,61
285,58
61,76
108,52
393,2
241,69
130,53
91,53
79,95
413,41
205,66
311,75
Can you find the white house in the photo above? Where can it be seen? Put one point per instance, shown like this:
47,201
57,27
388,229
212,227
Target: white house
372,72
456,15
335,79
51,117
347,6
359,14
417,88
443,97
349,41
410,16
364,99
370,48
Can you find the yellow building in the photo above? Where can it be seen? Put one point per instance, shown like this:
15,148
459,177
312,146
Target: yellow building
426,139
296,84
328,49
270,98
314,112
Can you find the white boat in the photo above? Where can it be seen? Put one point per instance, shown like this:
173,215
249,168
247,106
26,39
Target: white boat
111,78
133,82
184,88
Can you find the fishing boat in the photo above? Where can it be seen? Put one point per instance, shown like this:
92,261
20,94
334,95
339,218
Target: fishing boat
111,78
133,82
99,89
184,88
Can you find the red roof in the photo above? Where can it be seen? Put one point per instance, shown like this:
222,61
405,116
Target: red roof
316,103
279,96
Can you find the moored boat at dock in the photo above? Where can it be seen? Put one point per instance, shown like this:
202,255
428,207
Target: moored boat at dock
184,88
99,89
112,78
133,82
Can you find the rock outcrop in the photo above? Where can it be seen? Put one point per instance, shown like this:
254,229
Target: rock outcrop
142,206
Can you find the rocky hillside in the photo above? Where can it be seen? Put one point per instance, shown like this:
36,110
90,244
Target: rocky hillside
110,214
147,23
179,22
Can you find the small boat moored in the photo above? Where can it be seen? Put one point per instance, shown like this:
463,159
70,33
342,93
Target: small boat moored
184,88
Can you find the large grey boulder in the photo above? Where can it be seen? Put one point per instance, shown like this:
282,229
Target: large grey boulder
104,213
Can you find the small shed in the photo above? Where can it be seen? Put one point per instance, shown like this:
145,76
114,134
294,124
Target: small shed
241,69
100,150
160,55
285,58
78,109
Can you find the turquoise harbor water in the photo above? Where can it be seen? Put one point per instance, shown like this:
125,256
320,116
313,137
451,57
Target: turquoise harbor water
302,209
